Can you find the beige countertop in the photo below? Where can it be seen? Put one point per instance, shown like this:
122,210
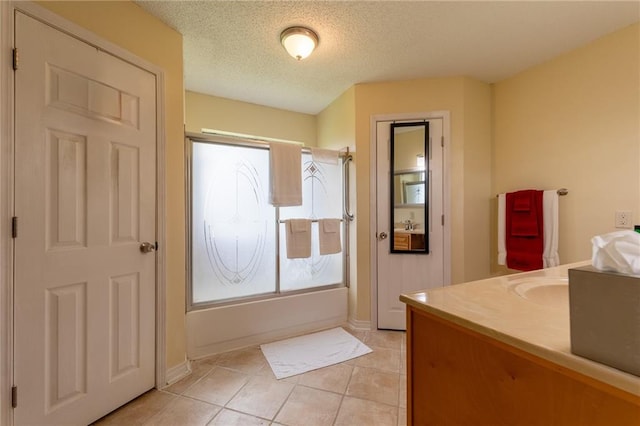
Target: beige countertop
529,310
405,231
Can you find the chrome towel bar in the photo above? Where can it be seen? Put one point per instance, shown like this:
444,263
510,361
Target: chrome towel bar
561,192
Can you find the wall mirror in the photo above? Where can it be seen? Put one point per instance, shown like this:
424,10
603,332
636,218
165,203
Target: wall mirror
409,186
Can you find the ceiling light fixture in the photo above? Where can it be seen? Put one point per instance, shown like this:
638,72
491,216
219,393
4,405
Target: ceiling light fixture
299,42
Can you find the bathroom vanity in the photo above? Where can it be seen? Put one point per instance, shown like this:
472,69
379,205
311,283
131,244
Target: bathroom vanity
408,240
497,351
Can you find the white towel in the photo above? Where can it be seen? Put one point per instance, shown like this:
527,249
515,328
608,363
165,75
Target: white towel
328,156
298,236
286,174
550,229
502,245
550,220
329,236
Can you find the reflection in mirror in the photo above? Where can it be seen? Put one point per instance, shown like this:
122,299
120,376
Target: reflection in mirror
409,187
414,192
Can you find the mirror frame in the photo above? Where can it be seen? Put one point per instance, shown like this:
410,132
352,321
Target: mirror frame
392,195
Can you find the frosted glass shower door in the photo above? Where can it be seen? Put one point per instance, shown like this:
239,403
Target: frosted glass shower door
232,224
322,199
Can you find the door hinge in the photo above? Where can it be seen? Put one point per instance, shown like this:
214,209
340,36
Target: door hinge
14,227
14,396
442,220
16,59
442,141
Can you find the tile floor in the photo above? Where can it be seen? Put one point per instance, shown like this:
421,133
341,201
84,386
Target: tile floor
239,388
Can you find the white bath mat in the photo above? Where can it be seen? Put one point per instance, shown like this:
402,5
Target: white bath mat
305,353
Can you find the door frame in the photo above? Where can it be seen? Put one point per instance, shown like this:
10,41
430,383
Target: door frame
373,203
7,185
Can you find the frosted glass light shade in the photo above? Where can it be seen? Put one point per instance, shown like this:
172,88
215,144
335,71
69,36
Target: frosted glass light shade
299,42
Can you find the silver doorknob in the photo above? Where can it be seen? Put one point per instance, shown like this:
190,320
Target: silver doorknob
382,236
147,247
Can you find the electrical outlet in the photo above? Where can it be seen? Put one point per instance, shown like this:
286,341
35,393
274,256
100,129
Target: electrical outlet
624,219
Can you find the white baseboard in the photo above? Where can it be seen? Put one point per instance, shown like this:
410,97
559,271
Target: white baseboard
176,373
216,330
359,324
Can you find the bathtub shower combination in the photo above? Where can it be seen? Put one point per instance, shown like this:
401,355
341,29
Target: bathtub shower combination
237,248
238,239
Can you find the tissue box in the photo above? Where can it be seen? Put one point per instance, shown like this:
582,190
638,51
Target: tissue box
605,317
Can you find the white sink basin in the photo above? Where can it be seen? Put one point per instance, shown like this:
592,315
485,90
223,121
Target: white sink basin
550,291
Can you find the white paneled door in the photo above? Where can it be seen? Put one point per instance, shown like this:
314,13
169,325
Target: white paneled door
399,273
85,199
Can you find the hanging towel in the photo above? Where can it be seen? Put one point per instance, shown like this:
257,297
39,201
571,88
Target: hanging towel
502,248
524,219
328,156
329,236
298,237
524,230
286,174
550,223
550,220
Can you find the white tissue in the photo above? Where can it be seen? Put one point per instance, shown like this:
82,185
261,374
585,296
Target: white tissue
617,252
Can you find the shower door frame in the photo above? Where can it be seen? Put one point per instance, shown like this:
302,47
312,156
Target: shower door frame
239,141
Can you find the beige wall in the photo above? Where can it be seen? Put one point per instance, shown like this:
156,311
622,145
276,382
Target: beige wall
574,122
337,122
337,130
211,112
127,25
464,99
477,167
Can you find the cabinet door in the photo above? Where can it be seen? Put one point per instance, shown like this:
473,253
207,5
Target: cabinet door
499,384
416,242
401,241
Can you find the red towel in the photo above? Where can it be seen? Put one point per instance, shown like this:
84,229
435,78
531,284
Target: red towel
524,230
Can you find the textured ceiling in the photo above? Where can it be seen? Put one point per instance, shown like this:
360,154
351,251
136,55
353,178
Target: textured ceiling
232,48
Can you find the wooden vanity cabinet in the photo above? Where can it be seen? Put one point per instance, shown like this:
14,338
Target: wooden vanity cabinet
401,241
457,376
407,241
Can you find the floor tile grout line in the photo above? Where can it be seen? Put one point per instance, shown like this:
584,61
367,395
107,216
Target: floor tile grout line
239,412
164,408
284,402
237,392
250,377
247,376
399,365
320,389
191,385
375,400
344,394
193,398
371,400
335,418
214,416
